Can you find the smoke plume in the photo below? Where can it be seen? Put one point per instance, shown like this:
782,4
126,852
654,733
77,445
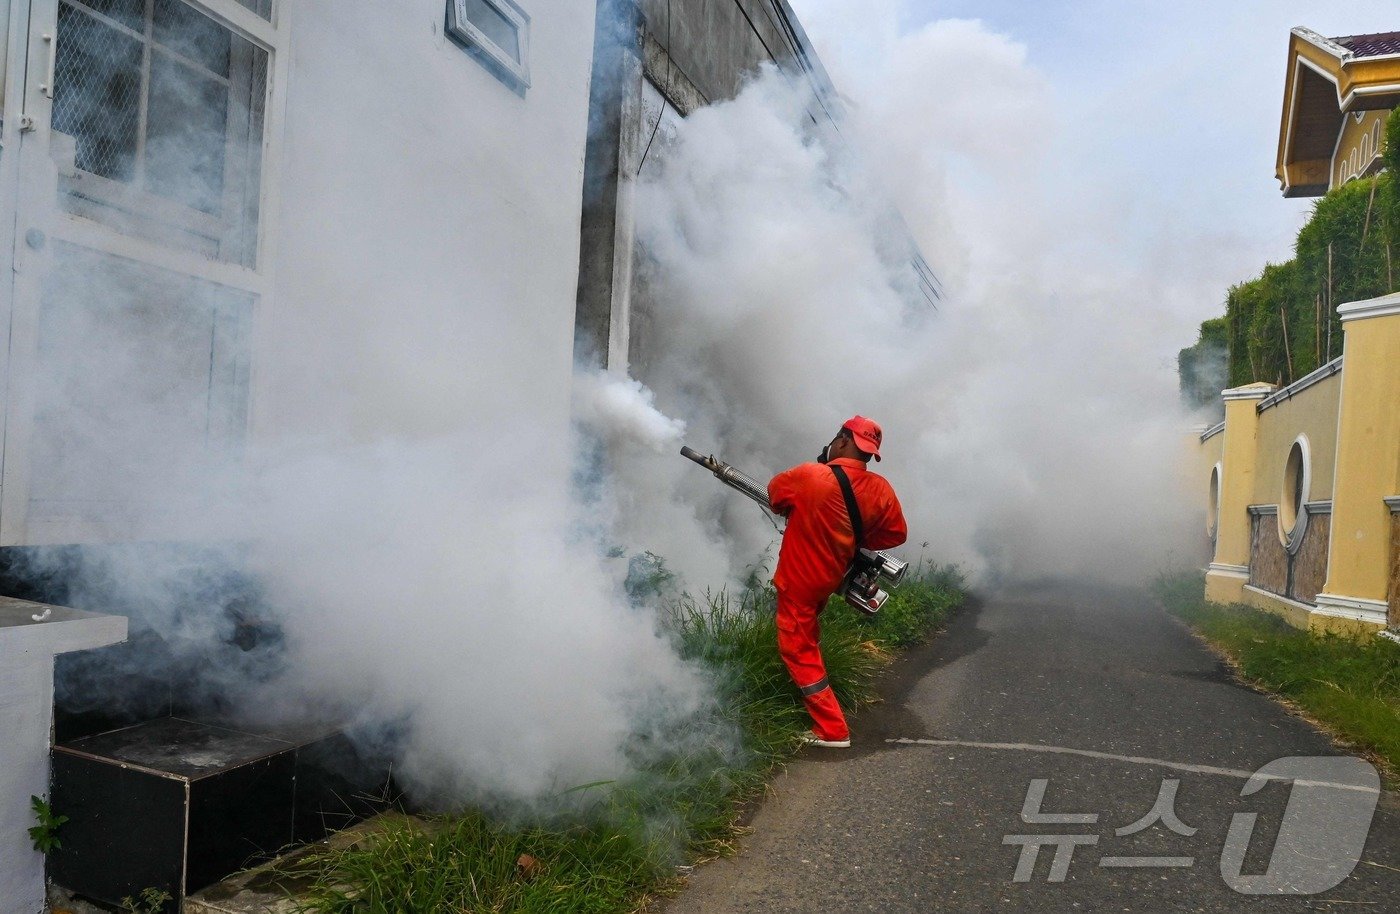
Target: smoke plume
623,412
1029,428
409,530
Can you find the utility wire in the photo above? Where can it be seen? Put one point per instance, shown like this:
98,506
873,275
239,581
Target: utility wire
661,112
799,54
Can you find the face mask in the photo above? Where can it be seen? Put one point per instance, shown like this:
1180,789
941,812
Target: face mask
824,456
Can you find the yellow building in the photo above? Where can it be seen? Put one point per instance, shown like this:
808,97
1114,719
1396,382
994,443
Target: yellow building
1302,483
1335,101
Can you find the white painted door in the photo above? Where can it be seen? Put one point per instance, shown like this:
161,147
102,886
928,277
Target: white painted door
138,183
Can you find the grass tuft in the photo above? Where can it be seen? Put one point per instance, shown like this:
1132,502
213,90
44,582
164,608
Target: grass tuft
1349,684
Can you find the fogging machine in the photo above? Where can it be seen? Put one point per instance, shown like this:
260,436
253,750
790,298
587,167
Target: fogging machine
861,585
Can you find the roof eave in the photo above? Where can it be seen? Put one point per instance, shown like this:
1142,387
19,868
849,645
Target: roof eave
1324,43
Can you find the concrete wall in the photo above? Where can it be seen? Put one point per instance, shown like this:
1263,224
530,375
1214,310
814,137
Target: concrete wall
1393,599
1207,453
691,52
1368,458
27,650
1204,451
715,44
1229,569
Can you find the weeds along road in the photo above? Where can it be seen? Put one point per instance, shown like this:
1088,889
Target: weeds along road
893,827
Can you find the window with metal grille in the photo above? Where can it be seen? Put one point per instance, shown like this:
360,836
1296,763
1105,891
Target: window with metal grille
158,121
499,31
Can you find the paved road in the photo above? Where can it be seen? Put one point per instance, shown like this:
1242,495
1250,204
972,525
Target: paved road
897,827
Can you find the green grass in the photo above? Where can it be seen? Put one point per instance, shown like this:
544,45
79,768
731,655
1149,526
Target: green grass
1349,684
469,863
621,844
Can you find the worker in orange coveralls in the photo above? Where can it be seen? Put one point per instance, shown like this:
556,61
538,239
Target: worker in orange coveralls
818,547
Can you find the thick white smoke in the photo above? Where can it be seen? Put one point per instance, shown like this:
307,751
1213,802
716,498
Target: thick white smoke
623,412
432,572
442,594
433,584
1029,428
398,546
437,583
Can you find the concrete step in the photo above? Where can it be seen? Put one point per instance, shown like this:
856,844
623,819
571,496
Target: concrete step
177,805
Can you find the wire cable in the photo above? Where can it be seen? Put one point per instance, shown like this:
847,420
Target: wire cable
770,518
666,93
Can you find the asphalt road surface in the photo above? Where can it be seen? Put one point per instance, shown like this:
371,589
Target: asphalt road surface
1095,703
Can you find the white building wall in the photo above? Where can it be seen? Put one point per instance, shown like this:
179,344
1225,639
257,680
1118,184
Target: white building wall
426,239
27,651
417,269
422,237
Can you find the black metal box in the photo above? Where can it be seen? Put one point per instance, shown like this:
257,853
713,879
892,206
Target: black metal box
169,804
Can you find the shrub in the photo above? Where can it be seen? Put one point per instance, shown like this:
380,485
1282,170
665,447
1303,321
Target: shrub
1349,250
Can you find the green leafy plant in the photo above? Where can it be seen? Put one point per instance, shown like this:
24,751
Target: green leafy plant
150,901
44,835
1283,323
648,578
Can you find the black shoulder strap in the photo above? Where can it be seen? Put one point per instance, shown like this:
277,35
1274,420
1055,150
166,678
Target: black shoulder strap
853,509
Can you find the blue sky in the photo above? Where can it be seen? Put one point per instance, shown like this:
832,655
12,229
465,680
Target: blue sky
1163,124
1208,78
1228,81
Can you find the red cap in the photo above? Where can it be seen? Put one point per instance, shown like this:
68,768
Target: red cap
866,433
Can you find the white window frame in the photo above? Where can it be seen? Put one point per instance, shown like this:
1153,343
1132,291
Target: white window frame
26,158
462,28
1291,529
87,194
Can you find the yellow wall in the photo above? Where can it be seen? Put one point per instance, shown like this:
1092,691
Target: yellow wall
1369,440
1299,616
1352,422
1226,579
1205,455
1312,412
1296,615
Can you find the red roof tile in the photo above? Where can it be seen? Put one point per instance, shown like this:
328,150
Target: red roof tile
1373,45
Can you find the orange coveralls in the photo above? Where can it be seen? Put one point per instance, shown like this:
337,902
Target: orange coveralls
818,546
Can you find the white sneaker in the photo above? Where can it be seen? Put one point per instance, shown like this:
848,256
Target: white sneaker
811,739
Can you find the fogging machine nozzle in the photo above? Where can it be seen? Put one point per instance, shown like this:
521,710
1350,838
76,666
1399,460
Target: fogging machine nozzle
736,480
